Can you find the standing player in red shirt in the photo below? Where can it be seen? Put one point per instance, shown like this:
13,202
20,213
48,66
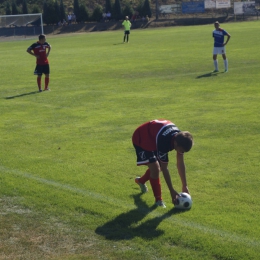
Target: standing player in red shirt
41,51
152,142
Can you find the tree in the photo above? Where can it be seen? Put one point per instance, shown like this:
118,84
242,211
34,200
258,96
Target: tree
147,8
117,14
97,14
140,7
83,14
36,9
108,6
57,10
128,10
8,10
24,7
49,15
144,8
76,8
14,8
62,11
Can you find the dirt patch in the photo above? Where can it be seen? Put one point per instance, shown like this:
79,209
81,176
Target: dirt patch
25,234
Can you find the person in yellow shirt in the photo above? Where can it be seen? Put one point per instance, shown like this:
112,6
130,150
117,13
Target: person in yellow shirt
127,24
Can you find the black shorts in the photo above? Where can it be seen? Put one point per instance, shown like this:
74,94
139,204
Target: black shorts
127,32
144,157
42,69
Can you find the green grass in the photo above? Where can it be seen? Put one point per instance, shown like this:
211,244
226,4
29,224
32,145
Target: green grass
67,164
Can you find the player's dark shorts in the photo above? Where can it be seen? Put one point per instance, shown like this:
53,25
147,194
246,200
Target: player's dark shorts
42,69
144,157
127,32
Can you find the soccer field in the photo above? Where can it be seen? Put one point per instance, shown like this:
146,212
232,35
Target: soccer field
67,165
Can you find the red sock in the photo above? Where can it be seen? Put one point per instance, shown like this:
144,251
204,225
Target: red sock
156,187
145,177
39,82
47,82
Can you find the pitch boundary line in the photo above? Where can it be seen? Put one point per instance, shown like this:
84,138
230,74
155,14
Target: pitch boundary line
221,233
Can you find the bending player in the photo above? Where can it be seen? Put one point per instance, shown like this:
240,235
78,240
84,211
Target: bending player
152,142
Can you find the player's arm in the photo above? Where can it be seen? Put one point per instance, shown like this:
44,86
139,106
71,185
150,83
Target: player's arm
182,171
167,177
228,37
30,51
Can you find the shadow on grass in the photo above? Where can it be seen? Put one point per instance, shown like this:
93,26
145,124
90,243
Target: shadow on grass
24,94
125,226
208,75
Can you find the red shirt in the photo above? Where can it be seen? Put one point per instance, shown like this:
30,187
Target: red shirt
40,50
155,135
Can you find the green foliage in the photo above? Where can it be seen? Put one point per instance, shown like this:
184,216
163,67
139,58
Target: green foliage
117,11
146,10
36,9
67,162
24,7
8,10
76,8
49,13
128,10
97,14
83,14
62,11
139,7
15,9
57,10
108,6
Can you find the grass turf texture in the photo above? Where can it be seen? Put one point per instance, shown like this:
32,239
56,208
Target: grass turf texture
67,162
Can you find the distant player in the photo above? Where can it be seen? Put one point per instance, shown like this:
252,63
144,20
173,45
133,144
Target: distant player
41,51
127,24
152,142
219,46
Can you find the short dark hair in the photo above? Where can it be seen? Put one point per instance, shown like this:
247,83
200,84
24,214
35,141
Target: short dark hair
184,139
41,36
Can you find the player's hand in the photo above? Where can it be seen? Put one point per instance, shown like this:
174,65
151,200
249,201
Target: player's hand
174,195
185,189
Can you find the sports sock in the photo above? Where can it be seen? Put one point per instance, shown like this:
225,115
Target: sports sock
47,80
39,82
226,64
124,38
216,64
145,177
156,187
127,38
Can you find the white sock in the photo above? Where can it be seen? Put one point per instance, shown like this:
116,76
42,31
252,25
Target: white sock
226,64
216,64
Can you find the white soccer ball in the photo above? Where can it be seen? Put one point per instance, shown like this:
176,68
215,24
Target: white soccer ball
184,201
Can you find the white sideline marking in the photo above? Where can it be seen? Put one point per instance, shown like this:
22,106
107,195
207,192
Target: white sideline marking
221,233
